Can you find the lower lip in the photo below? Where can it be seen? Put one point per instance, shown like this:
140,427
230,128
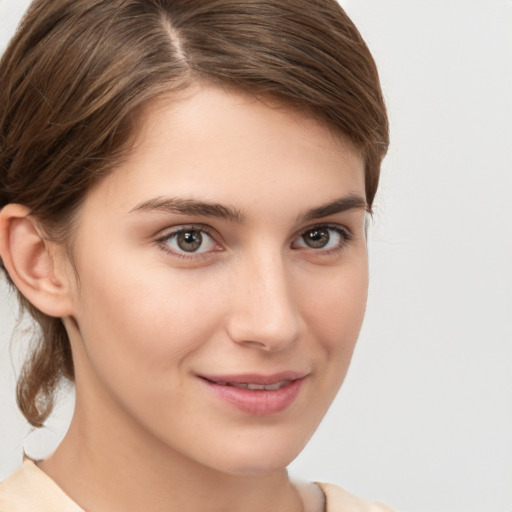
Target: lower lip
255,401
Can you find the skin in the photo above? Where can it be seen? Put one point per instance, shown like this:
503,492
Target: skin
146,318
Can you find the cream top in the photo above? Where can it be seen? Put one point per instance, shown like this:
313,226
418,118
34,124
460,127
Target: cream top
29,489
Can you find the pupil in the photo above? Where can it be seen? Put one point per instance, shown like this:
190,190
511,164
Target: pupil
190,241
317,238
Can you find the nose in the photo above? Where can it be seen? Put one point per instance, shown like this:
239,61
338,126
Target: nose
264,313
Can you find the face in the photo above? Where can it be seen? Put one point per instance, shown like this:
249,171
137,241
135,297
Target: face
223,279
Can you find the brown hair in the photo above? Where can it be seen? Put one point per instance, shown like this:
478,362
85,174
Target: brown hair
76,71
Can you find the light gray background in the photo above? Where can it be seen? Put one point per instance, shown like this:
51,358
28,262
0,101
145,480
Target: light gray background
424,420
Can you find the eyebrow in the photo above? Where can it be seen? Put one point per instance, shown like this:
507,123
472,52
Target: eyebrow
195,207
350,202
190,207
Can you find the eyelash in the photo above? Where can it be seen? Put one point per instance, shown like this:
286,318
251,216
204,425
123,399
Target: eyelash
345,237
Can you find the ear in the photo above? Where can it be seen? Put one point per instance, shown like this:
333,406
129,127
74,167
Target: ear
36,266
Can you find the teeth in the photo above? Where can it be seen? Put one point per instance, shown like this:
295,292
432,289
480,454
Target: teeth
257,387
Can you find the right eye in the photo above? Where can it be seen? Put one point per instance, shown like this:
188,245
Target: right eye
188,241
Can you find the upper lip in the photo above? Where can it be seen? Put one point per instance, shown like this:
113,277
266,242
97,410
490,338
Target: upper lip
255,378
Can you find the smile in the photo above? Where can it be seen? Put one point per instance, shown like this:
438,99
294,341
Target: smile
256,387
256,395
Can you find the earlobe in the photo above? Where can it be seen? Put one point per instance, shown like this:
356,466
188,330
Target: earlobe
31,262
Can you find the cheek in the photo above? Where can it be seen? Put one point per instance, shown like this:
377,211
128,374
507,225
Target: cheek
337,308
142,324
335,316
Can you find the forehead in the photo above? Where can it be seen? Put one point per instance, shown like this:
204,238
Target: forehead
223,144
218,101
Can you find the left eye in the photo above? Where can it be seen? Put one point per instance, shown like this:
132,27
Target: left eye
322,237
189,241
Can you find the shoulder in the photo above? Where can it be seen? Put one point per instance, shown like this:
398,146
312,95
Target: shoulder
30,490
339,500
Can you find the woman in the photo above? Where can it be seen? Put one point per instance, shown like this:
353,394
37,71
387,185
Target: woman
184,193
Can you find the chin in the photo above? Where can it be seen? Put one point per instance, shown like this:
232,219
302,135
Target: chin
258,467
260,457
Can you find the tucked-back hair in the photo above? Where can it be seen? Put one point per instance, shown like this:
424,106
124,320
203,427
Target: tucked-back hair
77,71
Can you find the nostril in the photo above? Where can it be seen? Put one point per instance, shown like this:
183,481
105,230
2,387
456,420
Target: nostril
254,344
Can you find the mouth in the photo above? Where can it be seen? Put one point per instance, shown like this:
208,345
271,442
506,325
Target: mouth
257,395
254,387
